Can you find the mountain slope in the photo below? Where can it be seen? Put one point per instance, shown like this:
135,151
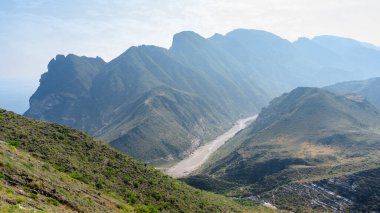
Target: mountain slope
306,135
160,109
368,89
34,184
49,166
214,81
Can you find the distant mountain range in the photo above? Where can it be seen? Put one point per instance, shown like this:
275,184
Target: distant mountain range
159,104
304,136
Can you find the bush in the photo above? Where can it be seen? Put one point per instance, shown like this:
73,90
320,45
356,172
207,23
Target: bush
123,208
59,168
20,200
99,185
52,201
13,142
145,209
33,195
132,198
156,195
79,176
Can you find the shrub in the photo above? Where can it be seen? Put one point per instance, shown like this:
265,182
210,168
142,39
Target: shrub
59,168
52,201
45,167
99,184
20,200
13,142
156,195
79,176
136,184
145,209
127,179
123,208
33,195
132,198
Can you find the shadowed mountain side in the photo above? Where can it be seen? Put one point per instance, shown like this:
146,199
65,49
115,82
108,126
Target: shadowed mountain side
165,115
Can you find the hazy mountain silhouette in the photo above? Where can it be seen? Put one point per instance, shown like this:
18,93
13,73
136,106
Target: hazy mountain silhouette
156,104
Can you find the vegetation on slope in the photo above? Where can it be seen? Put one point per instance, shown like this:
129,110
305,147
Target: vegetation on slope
70,170
31,184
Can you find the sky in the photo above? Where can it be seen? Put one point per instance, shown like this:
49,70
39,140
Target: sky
32,32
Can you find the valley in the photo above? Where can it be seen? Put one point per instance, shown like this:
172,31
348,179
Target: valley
190,106
198,157
153,103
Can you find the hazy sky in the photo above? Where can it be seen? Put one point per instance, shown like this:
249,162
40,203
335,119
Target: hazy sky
34,31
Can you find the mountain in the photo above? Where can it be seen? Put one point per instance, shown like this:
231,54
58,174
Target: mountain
361,56
368,89
50,167
303,136
159,104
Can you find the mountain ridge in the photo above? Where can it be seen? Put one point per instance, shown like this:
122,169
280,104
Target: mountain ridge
232,76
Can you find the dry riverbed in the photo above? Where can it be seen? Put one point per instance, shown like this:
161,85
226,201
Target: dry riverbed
201,154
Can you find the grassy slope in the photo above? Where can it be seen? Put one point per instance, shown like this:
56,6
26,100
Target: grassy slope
34,184
97,168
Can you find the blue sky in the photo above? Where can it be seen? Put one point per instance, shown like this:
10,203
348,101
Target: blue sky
32,32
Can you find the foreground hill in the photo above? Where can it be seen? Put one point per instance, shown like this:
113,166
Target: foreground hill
159,104
50,167
368,89
304,136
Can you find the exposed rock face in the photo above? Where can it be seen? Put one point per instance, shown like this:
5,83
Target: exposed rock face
64,91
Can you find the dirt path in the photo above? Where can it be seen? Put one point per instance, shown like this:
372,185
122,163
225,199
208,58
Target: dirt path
200,155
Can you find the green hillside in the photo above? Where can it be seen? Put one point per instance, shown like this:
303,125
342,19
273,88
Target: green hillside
50,167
